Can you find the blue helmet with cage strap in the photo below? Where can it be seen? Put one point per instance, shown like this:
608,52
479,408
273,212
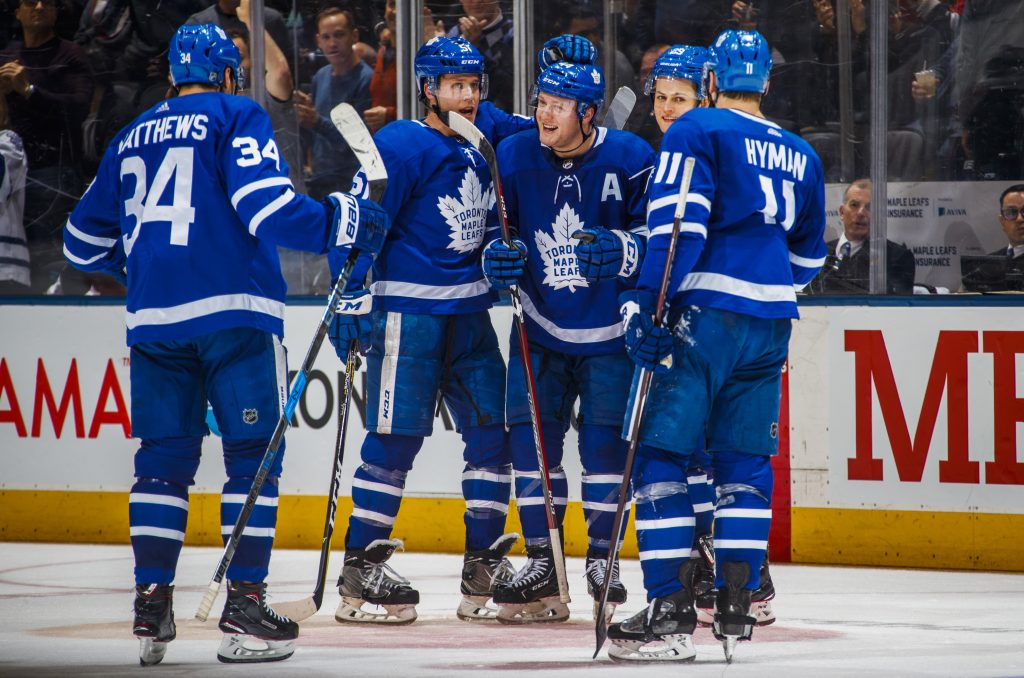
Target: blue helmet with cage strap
679,62
741,61
448,56
199,53
583,83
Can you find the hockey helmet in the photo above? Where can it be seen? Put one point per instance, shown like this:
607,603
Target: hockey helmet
741,61
448,56
200,53
584,84
679,62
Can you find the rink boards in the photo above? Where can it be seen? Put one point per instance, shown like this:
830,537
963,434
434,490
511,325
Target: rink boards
901,439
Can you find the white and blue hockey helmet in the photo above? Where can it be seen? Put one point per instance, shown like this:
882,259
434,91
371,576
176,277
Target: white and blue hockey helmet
199,53
583,83
448,56
741,61
679,62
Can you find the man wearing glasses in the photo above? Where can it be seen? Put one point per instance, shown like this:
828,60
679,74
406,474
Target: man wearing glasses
1011,218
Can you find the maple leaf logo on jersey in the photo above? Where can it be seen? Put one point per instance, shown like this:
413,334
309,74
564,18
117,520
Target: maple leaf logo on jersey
557,251
466,215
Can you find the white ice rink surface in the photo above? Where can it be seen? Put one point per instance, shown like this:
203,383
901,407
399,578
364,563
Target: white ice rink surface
65,610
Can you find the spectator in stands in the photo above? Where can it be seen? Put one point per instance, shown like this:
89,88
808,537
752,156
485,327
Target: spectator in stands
490,32
47,85
847,264
1011,218
224,13
346,78
14,258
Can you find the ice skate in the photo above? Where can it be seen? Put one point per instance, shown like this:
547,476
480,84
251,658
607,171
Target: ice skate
761,598
704,581
367,579
596,567
482,572
154,621
532,594
732,608
661,633
253,632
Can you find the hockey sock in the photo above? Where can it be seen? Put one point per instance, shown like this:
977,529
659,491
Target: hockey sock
252,558
702,496
486,484
664,519
378,485
529,488
603,454
157,513
743,514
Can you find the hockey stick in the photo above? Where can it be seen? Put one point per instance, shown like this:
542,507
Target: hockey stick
297,610
636,416
619,109
352,128
470,133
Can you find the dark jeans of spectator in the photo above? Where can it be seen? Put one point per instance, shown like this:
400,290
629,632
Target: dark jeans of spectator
50,195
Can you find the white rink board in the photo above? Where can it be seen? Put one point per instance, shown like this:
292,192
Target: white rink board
93,336
826,407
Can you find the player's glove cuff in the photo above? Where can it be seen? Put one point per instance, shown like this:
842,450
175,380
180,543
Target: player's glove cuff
358,222
352,321
504,265
604,254
648,345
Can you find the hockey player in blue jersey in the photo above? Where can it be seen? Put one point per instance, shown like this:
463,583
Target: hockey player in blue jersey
192,199
750,236
565,180
429,333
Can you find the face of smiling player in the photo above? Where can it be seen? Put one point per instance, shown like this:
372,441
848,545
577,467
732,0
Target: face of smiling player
672,98
459,93
558,124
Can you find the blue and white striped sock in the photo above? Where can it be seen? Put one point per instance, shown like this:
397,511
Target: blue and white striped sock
157,514
252,558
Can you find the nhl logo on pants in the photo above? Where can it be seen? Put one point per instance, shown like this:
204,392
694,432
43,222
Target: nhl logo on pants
250,416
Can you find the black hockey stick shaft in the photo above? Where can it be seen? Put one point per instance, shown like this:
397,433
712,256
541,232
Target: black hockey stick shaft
470,132
636,416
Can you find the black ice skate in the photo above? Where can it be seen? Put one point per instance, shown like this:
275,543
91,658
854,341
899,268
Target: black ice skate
154,621
704,588
482,572
761,598
662,632
732,608
597,564
367,579
253,632
532,594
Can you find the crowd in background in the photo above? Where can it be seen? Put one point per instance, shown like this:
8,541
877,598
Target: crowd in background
73,72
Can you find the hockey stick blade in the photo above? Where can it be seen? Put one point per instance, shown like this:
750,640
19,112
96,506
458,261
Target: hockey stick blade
358,138
619,109
637,414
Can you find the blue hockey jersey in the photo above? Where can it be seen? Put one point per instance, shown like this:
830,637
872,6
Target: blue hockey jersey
548,199
441,203
752,232
496,125
193,197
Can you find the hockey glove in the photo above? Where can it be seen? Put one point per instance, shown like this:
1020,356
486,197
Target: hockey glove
604,254
357,222
504,265
574,48
648,346
351,322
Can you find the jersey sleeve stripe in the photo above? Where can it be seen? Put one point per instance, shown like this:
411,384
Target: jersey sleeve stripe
204,307
80,261
684,227
642,172
698,199
275,205
805,262
90,239
257,186
717,282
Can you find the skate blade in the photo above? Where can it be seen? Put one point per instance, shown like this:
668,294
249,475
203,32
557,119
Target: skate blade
237,648
545,611
476,609
705,616
762,611
670,648
350,612
151,651
729,645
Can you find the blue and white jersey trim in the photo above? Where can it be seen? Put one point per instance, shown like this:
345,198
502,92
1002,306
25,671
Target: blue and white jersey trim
587,335
204,307
395,288
717,282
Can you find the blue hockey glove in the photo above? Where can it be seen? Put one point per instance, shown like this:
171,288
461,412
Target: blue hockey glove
648,346
574,48
604,254
351,322
504,265
358,222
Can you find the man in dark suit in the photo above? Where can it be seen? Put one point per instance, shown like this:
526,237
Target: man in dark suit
1011,218
846,267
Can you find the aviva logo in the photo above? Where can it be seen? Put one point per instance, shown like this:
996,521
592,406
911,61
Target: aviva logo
952,212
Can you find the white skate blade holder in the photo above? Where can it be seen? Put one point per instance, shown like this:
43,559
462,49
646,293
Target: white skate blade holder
237,648
546,610
151,651
476,609
670,648
350,612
